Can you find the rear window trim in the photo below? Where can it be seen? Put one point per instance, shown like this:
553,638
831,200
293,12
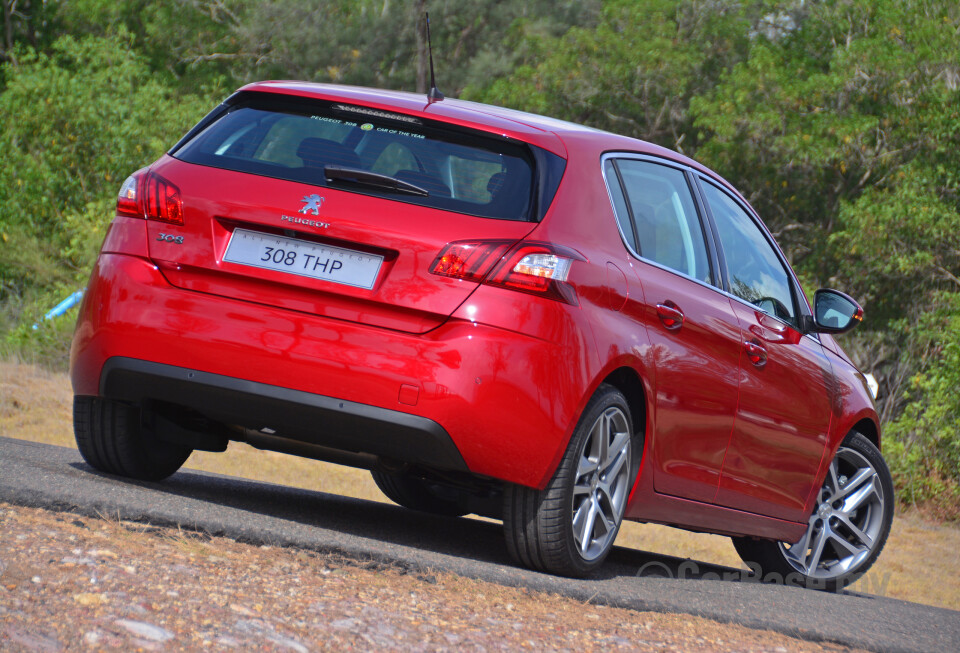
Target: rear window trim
543,182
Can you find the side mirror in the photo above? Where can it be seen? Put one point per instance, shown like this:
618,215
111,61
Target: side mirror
834,312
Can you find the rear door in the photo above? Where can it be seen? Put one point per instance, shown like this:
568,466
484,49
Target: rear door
694,333
335,210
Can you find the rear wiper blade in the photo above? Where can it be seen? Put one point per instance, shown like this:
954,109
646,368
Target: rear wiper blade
367,178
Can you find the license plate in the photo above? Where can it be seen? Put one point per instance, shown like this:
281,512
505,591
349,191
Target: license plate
303,258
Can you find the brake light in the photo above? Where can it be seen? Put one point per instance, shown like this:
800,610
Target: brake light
150,196
162,200
536,268
128,203
539,269
469,260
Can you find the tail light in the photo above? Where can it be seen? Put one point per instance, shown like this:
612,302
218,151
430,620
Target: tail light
469,260
162,200
150,196
128,202
536,268
539,269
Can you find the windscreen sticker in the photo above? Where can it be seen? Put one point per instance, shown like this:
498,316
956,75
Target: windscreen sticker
399,132
335,121
368,127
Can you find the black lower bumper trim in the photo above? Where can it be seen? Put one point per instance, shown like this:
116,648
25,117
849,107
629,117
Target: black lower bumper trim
311,418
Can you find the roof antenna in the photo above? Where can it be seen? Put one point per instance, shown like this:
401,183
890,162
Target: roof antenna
434,94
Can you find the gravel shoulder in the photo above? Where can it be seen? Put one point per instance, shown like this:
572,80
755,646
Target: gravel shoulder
70,582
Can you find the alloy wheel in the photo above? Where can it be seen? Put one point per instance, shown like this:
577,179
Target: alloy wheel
601,486
847,522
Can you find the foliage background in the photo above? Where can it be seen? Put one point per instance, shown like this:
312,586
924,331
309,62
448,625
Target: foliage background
839,119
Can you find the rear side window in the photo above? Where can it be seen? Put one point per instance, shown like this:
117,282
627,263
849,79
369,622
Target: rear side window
619,203
373,152
665,220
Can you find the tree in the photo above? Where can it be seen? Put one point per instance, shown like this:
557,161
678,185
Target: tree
26,23
78,119
192,40
375,42
635,73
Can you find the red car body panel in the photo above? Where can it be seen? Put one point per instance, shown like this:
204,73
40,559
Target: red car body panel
852,410
457,367
696,382
403,297
729,447
778,442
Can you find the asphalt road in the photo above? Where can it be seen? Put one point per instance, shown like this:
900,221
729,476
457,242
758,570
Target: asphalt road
52,477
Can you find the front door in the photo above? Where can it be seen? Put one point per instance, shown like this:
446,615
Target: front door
784,411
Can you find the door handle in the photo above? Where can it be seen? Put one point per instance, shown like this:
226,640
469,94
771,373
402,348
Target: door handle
671,315
756,353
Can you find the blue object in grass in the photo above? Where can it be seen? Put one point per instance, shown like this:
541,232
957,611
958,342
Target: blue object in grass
62,307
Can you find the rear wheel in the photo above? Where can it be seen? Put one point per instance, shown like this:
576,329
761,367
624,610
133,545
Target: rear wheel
569,527
419,494
848,527
110,439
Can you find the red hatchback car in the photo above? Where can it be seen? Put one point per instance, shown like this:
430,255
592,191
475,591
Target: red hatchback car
494,312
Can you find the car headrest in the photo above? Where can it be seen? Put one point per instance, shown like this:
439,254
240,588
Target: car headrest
320,152
495,183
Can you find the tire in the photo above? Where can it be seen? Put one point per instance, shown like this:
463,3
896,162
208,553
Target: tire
418,494
110,439
568,528
846,531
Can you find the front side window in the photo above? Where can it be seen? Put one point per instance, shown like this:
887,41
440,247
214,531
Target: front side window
666,225
756,273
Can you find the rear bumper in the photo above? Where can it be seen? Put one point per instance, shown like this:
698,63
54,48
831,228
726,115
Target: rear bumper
466,395
315,419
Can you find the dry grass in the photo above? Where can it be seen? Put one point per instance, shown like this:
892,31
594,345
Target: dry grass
921,561
35,404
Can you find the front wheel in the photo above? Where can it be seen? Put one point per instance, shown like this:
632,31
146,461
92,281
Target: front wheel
847,529
569,527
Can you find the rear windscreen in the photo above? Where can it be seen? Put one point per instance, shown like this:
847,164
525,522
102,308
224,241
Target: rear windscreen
332,144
